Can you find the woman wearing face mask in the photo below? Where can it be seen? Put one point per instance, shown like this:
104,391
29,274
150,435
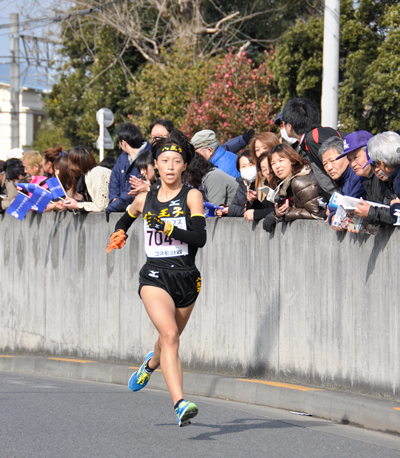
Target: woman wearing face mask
299,192
240,206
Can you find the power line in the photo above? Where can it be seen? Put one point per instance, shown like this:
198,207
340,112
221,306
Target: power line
64,17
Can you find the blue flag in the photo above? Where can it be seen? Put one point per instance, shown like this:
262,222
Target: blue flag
39,199
55,187
20,207
28,187
210,209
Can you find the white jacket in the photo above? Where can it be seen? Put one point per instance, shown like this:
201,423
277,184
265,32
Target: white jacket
97,181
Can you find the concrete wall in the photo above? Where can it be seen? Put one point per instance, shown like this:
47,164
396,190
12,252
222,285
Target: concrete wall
306,305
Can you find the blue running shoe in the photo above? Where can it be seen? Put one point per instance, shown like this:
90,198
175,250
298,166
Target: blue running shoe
185,411
140,378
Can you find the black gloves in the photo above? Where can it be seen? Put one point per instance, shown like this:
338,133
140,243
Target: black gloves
156,223
269,223
248,135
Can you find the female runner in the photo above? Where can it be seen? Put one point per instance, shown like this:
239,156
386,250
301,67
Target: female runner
169,282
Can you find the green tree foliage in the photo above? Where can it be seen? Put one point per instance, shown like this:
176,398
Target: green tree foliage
165,90
368,34
84,86
358,45
278,16
240,96
382,93
298,64
49,136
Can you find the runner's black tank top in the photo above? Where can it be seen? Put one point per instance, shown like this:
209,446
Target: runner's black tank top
163,251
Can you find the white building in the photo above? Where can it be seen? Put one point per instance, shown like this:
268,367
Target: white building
30,117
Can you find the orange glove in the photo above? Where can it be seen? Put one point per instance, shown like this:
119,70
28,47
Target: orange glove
117,240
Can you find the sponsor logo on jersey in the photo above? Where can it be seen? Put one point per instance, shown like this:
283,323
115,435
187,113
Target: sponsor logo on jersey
174,203
154,273
198,284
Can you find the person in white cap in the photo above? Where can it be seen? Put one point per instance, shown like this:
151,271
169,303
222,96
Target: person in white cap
15,153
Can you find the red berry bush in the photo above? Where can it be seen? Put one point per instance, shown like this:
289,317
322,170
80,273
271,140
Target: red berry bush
241,95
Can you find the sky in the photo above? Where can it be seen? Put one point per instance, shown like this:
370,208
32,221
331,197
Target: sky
34,77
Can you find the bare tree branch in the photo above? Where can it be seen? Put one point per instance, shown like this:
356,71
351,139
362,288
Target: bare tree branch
148,26
218,24
105,70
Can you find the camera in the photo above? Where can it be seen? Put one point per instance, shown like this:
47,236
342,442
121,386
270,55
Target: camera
280,200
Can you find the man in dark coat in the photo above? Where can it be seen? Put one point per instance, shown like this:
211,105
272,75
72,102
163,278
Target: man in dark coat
377,190
384,155
132,144
301,120
337,167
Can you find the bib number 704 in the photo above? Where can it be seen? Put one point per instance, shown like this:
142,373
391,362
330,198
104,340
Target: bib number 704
159,238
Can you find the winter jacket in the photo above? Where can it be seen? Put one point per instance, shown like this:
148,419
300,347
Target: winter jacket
310,145
119,180
225,156
305,191
95,191
220,187
395,180
350,184
10,192
240,204
378,191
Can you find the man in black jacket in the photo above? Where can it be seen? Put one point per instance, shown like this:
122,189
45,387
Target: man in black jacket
301,120
377,190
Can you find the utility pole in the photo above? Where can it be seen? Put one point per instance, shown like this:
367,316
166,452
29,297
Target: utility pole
14,79
330,75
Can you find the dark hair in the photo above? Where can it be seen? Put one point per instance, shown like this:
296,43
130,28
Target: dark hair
268,139
131,134
302,114
80,162
144,159
51,154
296,160
108,162
61,164
14,168
176,137
2,166
196,170
244,153
260,159
169,125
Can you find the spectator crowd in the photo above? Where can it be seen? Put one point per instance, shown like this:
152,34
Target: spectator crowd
257,176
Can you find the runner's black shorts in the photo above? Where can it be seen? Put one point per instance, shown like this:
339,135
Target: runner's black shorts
182,284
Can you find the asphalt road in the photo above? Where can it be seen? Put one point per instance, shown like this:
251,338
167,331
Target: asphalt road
54,417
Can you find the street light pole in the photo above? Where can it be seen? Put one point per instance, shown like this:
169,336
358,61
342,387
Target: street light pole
330,76
14,79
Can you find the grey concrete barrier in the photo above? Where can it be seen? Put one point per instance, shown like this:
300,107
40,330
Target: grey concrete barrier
304,305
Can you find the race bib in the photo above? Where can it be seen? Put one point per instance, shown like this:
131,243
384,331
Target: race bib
160,245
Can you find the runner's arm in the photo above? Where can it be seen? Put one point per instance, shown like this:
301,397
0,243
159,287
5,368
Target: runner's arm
198,235
130,216
118,237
